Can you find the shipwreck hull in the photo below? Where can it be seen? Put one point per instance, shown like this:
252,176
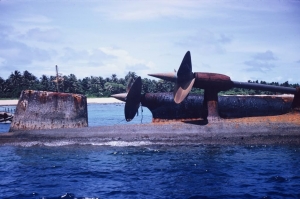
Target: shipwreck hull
279,130
49,110
164,108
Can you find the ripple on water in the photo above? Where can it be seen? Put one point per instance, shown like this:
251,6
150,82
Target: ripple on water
149,171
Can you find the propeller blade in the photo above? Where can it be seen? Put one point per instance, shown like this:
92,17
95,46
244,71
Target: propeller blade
185,79
133,100
120,96
172,77
182,89
185,66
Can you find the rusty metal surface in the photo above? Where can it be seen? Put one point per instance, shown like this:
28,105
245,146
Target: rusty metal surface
163,107
264,87
250,106
212,81
49,110
296,101
279,130
211,104
172,77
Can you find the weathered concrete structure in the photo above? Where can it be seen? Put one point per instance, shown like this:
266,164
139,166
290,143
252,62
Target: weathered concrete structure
49,110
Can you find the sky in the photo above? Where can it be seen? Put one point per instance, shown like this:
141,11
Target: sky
244,39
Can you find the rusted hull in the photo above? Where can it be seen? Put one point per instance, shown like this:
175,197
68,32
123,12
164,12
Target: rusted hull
49,110
164,108
280,130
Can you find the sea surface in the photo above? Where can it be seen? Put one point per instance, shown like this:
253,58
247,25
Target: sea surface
141,170
100,115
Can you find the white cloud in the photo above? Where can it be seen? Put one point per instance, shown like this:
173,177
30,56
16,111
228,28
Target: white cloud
259,66
47,35
17,53
231,35
149,10
137,67
206,41
261,62
123,56
266,56
124,61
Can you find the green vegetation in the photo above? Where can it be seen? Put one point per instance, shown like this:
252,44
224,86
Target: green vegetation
101,87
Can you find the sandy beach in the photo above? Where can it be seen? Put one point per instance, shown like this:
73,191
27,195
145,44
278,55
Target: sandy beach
107,100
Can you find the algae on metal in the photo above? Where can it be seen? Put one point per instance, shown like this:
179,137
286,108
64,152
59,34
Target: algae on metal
49,110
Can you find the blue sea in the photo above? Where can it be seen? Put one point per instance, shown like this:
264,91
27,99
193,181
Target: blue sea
131,170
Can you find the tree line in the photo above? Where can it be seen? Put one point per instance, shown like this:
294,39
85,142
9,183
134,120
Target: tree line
97,86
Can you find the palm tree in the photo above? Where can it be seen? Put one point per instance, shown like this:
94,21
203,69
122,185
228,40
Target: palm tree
15,84
45,83
131,75
29,81
130,78
114,78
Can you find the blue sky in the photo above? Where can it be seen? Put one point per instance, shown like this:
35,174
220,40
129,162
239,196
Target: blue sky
246,40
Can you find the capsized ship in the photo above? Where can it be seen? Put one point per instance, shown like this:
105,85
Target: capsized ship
164,109
209,107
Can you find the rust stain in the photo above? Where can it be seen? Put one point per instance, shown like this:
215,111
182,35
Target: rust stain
43,97
213,81
160,120
77,101
296,101
24,104
285,118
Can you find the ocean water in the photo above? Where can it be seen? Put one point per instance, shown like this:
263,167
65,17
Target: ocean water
141,170
100,115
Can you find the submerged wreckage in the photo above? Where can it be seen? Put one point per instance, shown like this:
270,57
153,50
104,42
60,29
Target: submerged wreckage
205,119
209,107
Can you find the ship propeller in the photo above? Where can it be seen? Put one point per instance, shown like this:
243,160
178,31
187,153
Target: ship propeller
185,79
133,99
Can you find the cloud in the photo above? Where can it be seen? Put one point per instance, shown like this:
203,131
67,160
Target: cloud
19,53
35,19
137,67
203,65
99,54
5,31
124,61
261,62
91,58
177,9
14,54
121,55
259,66
151,10
103,61
266,56
206,41
70,54
48,35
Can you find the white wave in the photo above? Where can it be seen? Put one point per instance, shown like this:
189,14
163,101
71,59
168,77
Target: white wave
27,144
122,143
65,143
59,143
